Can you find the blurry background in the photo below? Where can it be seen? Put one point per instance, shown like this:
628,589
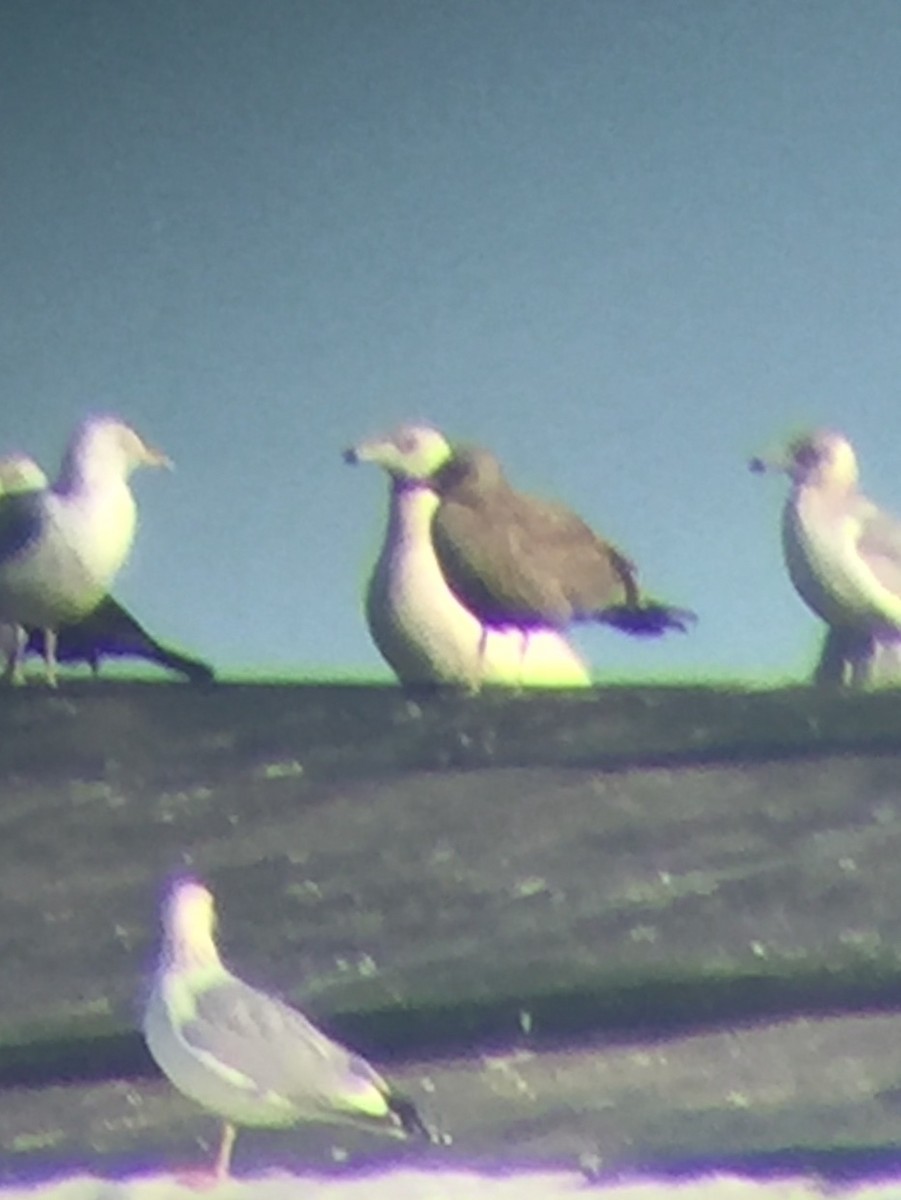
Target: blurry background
624,245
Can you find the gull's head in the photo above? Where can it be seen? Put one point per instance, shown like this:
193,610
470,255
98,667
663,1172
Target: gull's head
189,923
823,458
104,448
20,473
411,454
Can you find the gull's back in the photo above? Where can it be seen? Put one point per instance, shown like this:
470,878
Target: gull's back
256,1060
515,558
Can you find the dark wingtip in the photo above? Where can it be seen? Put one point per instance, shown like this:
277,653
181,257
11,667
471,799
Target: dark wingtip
194,671
110,631
757,465
650,619
410,1120
350,455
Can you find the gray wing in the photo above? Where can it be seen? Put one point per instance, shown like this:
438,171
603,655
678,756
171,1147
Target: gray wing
879,543
277,1047
21,523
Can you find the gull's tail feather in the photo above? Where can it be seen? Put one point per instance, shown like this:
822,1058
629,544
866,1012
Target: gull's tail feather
648,618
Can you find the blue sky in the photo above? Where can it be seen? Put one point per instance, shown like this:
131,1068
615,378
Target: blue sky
625,245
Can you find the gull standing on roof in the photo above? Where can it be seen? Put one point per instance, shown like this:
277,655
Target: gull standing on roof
62,546
18,473
245,1055
421,627
843,554
516,559
109,630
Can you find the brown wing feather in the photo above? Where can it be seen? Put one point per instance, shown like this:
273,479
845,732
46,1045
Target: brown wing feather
481,561
522,561
594,575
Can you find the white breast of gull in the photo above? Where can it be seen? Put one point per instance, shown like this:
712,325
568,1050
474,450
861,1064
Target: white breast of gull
843,555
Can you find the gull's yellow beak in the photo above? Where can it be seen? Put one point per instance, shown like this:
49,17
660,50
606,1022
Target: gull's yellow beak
156,458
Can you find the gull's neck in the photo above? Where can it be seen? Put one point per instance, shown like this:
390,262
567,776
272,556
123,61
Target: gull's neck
838,477
82,473
822,494
189,952
411,509
828,484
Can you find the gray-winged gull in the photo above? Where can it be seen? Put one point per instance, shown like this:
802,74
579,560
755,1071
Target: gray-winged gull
108,631
18,473
245,1055
61,547
422,629
516,559
843,555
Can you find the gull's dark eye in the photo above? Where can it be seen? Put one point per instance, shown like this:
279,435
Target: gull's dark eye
406,441
807,454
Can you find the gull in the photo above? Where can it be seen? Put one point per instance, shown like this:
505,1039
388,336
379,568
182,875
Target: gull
517,559
420,626
62,546
109,631
843,555
245,1055
18,473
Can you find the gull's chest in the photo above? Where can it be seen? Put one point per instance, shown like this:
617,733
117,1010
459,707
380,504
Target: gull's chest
70,566
820,544
426,634
417,623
